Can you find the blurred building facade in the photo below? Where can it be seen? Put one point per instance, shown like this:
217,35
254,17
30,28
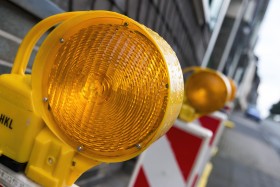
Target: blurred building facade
233,53
186,25
181,23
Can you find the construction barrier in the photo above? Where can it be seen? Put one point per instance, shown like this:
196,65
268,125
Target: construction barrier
215,123
175,159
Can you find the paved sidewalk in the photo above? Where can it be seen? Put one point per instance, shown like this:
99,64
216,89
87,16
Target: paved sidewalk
245,157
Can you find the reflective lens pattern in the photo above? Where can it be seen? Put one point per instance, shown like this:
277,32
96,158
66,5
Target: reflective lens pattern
108,89
206,92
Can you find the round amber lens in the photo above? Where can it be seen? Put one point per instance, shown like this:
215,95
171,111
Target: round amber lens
108,89
106,85
206,92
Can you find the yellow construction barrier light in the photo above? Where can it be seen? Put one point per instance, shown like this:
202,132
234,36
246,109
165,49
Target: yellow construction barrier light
233,89
206,91
102,89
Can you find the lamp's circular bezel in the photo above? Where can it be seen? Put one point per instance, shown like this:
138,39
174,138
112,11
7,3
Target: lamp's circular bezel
45,59
224,97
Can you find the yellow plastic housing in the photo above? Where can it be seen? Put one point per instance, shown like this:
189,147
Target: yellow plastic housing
106,85
233,89
206,91
53,163
18,124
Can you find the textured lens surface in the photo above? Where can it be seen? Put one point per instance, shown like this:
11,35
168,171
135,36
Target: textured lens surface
233,89
206,92
108,89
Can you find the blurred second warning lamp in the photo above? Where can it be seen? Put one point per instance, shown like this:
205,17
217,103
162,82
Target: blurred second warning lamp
206,91
103,88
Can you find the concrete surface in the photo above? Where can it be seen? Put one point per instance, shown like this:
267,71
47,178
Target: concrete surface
246,157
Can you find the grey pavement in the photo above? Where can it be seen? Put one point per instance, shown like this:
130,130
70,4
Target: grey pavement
248,155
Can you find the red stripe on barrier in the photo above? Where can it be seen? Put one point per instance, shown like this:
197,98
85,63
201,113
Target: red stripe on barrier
185,147
212,124
141,180
195,180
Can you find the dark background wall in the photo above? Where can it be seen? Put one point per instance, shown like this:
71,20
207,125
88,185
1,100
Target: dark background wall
177,21
174,20
14,24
